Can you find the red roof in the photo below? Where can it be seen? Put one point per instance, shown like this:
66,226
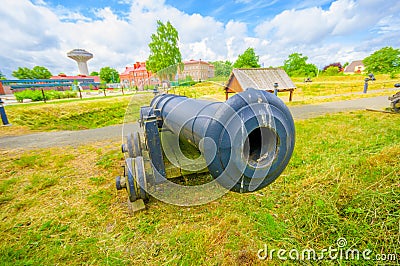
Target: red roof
128,70
63,76
138,66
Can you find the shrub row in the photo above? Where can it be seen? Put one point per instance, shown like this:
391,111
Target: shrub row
36,95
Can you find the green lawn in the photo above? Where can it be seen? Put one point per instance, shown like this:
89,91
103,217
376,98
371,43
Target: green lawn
321,89
59,205
79,114
72,114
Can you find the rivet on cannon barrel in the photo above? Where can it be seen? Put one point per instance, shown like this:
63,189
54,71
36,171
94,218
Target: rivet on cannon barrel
246,142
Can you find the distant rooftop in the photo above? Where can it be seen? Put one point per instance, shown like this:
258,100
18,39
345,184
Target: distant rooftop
259,78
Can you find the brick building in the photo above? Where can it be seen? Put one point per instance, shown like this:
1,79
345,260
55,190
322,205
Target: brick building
137,75
198,70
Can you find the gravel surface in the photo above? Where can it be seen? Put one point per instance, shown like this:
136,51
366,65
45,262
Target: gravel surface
76,138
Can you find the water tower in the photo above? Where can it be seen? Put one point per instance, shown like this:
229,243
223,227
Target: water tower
81,56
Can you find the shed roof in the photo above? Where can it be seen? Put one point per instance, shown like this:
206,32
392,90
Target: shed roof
260,78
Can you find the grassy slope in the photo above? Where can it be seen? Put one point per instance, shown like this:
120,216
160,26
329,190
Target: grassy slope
93,113
322,89
59,205
72,114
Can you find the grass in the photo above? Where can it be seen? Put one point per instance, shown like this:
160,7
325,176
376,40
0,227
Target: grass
59,205
71,114
344,85
322,89
100,112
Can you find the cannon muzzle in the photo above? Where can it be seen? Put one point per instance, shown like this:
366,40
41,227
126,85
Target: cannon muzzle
246,141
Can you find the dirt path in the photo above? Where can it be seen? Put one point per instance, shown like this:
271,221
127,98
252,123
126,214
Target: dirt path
75,138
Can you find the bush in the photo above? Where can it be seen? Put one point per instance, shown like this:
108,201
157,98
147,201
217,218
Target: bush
36,95
332,71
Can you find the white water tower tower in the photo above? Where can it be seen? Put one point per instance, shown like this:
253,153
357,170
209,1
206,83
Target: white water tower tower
81,56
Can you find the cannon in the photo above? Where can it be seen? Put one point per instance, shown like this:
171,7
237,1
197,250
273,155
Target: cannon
395,100
244,143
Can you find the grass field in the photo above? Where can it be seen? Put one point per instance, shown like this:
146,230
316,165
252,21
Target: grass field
72,114
59,205
79,114
322,89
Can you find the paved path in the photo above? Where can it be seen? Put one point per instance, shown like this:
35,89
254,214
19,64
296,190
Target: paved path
75,138
313,110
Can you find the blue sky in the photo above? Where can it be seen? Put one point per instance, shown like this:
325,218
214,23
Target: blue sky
41,32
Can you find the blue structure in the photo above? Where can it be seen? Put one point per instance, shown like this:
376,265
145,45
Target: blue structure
48,84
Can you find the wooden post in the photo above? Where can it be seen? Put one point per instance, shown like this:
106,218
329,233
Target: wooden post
80,93
291,95
44,97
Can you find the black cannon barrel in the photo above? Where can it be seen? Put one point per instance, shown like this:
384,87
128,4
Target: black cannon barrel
246,141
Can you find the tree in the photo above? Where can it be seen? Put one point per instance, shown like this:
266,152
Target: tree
165,56
2,76
296,65
248,59
109,75
222,69
332,71
338,65
385,60
94,73
22,73
38,72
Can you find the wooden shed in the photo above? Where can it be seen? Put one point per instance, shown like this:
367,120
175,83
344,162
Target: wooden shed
261,79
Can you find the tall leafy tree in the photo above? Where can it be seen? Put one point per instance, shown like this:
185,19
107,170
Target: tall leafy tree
248,59
38,72
385,60
165,56
23,73
296,65
222,69
94,73
109,75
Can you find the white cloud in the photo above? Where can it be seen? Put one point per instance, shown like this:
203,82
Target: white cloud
306,25
327,34
234,28
344,17
38,34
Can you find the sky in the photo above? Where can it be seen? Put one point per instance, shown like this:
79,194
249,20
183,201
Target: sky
117,32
